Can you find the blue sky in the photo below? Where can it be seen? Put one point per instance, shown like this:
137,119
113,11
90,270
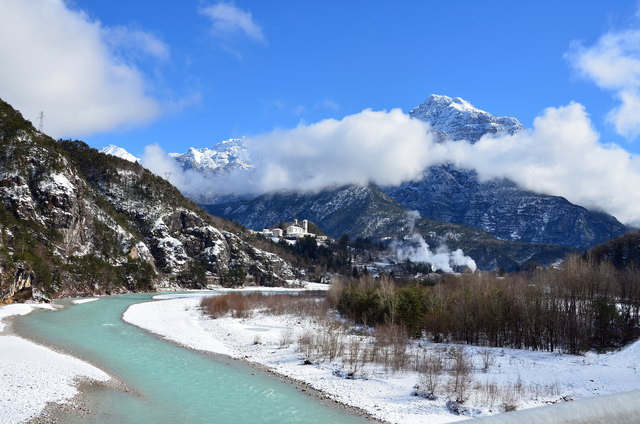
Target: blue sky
317,60
158,77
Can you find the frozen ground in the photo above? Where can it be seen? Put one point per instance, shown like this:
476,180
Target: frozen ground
32,375
522,378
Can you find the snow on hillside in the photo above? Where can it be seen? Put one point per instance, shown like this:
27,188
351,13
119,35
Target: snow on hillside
119,152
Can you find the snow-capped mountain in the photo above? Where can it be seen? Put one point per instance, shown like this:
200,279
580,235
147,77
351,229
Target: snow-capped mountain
445,193
457,119
499,206
222,158
119,152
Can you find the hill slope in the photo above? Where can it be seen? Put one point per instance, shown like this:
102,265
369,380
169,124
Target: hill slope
76,221
623,252
369,212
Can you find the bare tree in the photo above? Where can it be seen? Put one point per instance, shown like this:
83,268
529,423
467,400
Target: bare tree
431,373
461,380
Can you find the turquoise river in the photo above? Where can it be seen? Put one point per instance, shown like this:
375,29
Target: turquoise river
167,383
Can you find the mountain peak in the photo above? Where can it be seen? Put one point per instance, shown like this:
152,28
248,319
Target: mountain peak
114,150
457,119
222,158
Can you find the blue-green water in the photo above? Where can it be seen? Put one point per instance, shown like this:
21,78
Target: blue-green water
169,384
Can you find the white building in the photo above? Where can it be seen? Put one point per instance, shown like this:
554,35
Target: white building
295,231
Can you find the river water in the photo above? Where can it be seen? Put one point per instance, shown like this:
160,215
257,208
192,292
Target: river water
168,383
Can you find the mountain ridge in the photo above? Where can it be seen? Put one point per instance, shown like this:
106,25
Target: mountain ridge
444,193
74,221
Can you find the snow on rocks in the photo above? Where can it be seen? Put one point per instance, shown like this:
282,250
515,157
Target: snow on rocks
33,375
58,184
119,152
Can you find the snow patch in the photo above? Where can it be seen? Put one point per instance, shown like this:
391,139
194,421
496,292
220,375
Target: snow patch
33,375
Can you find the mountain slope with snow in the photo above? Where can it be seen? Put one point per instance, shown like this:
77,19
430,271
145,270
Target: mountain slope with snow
499,206
445,193
457,119
222,158
77,221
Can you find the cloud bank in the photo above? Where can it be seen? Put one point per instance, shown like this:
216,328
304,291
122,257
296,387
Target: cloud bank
384,148
61,62
561,155
613,63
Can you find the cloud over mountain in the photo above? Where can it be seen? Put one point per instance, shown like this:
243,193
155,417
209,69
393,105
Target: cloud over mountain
67,65
561,155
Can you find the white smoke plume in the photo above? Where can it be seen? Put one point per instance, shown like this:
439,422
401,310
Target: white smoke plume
415,249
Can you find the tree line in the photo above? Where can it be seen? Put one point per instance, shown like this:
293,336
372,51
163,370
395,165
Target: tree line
585,304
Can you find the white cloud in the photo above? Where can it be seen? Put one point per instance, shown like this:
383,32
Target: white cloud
228,20
59,61
327,104
562,155
138,41
385,148
613,63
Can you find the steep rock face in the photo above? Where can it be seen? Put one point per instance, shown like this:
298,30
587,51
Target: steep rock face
500,207
83,222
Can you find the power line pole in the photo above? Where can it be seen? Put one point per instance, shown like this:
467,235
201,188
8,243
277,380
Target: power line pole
40,121
167,175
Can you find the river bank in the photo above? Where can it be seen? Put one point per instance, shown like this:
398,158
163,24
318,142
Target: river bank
523,379
166,383
34,377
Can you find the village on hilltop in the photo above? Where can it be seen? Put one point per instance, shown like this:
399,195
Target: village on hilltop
292,233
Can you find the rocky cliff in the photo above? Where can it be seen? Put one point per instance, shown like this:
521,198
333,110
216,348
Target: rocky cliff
76,221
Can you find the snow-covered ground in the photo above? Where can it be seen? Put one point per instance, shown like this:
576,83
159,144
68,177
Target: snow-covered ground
523,378
32,375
